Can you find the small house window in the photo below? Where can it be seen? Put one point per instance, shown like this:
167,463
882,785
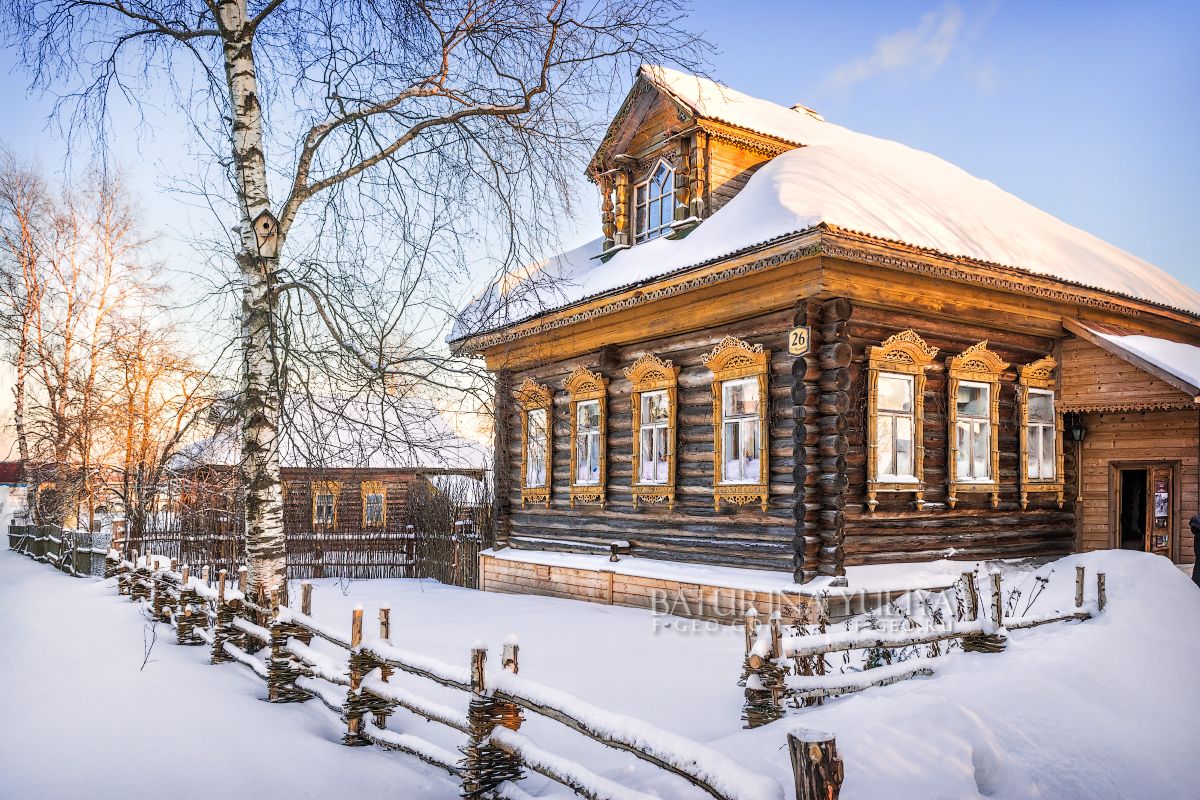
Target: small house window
740,446
894,425
1040,447
324,503
652,399
374,504
973,428
654,203
655,437
535,401
741,424
535,448
587,443
588,392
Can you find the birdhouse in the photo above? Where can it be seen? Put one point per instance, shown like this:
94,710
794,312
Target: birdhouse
266,234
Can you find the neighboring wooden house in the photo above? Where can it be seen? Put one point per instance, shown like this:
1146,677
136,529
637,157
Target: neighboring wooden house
795,347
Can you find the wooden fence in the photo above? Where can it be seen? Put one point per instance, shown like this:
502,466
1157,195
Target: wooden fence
780,670
77,553
493,755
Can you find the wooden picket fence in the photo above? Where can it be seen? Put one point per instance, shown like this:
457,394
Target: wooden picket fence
275,642
77,553
780,670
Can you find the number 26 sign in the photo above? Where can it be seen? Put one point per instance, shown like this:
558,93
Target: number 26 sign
799,340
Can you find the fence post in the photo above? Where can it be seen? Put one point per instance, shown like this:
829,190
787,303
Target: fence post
306,598
972,610
1079,570
751,628
815,765
1101,599
485,766
997,601
353,716
222,623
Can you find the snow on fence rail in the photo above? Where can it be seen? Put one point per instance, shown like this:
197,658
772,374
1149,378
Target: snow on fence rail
77,553
782,669
276,643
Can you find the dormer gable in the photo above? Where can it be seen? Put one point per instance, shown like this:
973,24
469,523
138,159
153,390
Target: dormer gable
659,133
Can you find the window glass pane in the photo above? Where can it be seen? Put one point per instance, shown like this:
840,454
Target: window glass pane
641,195
740,398
374,509
1033,446
1048,452
895,393
962,449
885,444
981,450
750,450
904,446
972,400
731,447
662,451
535,449
655,407
588,414
1041,407
646,456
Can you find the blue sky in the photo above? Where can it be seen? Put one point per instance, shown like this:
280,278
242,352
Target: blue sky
1087,110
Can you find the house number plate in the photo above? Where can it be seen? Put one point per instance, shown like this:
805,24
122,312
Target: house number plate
799,340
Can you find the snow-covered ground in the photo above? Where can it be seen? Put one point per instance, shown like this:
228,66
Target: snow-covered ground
1105,708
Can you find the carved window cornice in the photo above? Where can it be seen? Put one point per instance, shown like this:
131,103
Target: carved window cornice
585,385
533,396
734,359
979,365
1032,377
651,374
908,354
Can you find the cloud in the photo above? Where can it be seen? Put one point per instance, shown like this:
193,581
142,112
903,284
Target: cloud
926,46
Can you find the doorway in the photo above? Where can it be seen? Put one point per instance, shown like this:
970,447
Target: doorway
1133,509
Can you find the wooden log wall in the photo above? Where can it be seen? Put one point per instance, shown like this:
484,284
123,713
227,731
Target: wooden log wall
833,358
741,536
898,532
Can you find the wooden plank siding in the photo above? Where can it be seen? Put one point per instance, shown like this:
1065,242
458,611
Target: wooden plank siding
742,536
896,531
298,503
1093,378
729,169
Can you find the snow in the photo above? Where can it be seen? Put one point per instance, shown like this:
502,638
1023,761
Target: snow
1177,358
1103,708
841,178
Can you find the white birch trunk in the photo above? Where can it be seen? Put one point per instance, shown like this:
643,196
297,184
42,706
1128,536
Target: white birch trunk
259,405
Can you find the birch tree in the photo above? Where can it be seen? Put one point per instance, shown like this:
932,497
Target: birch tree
464,121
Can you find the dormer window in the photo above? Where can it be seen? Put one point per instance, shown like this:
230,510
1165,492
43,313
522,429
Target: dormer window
654,203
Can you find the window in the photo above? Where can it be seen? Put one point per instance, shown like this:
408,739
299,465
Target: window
653,383
1041,443
535,402
654,433
587,443
374,497
895,416
741,425
740,433
894,424
974,420
1039,436
973,433
654,203
324,503
588,410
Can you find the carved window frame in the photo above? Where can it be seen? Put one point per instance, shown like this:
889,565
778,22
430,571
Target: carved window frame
904,353
533,396
653,374
1040,375
976,364
583,385
366,489
319,489
733,359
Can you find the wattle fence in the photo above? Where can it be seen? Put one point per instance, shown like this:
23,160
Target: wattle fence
77,553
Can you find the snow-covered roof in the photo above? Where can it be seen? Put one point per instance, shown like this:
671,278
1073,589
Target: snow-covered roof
336,433
840,178
1177,362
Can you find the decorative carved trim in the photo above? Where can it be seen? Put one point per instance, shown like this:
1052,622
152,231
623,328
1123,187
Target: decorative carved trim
746,141
533,396
904,352
1040,375
651,374
584,385
733,359
368,488
322,488
1113,408
976,364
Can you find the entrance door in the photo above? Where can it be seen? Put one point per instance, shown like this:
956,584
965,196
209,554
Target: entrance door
1146,509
